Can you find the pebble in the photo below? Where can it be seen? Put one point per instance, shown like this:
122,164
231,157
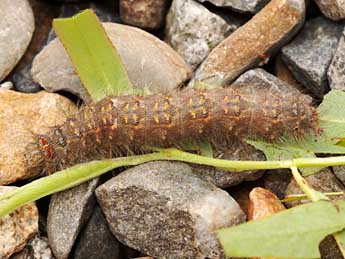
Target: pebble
148,14
252,43
17,227
16,29
263,203
7,85
68,212
339,172
336,71
222,178
20,116
163,210
96,241
309,55
193,31
21,77
37,248
251,6
332,9
277,181
149,63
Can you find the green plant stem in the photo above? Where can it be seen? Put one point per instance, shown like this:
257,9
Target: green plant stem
81,173
299,197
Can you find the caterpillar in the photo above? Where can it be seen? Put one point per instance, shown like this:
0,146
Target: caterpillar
132,123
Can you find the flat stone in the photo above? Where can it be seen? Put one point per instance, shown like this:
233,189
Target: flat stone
309,55
22,116
193,31
251,6
20,76
17,227
96,240
252,43
149,63
148,14
163,210
336,71
16,29
332,9
37,248
224,179
324,181
68,212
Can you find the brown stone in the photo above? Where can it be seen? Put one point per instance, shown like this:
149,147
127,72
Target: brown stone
21,117
332,9
17,227
284,74
148,14
253,43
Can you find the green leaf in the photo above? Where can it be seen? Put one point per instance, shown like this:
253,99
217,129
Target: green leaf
294,233
93,55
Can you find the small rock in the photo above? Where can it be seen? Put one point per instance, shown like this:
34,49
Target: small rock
37,248
16,29
22,116
339,172
324,181
7,85
17,227
21,77
309,55
163,210
336,71
284,74
329,249
277,181
263,203
68,212
97,241
149,62
253,43
224,179
148,14
251,6
332,9
193,31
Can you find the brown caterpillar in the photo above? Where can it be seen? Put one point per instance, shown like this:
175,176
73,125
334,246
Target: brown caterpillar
118,124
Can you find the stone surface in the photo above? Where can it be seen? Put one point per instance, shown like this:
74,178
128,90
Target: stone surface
277,181
324,181
336,71
339,172
7,85
193,31
35,114
309,55
148,14
263,203
222,178
68,212
284,74
332,9
37,248
329,249
17,227
251,6
163,210
16,29
96,240
252,43
149,62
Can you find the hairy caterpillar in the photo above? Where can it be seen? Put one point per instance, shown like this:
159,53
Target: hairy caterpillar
118,124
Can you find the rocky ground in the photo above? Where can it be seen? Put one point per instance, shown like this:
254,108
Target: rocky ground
165,210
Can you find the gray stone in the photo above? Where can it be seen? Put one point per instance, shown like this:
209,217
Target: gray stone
16,29
336,71
96,240
163,210
234,151
277,181
149,63
332,9
329,249
253,43
68,212
251,6
339,172
323,181
148,14
37,248
309,55
193,31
